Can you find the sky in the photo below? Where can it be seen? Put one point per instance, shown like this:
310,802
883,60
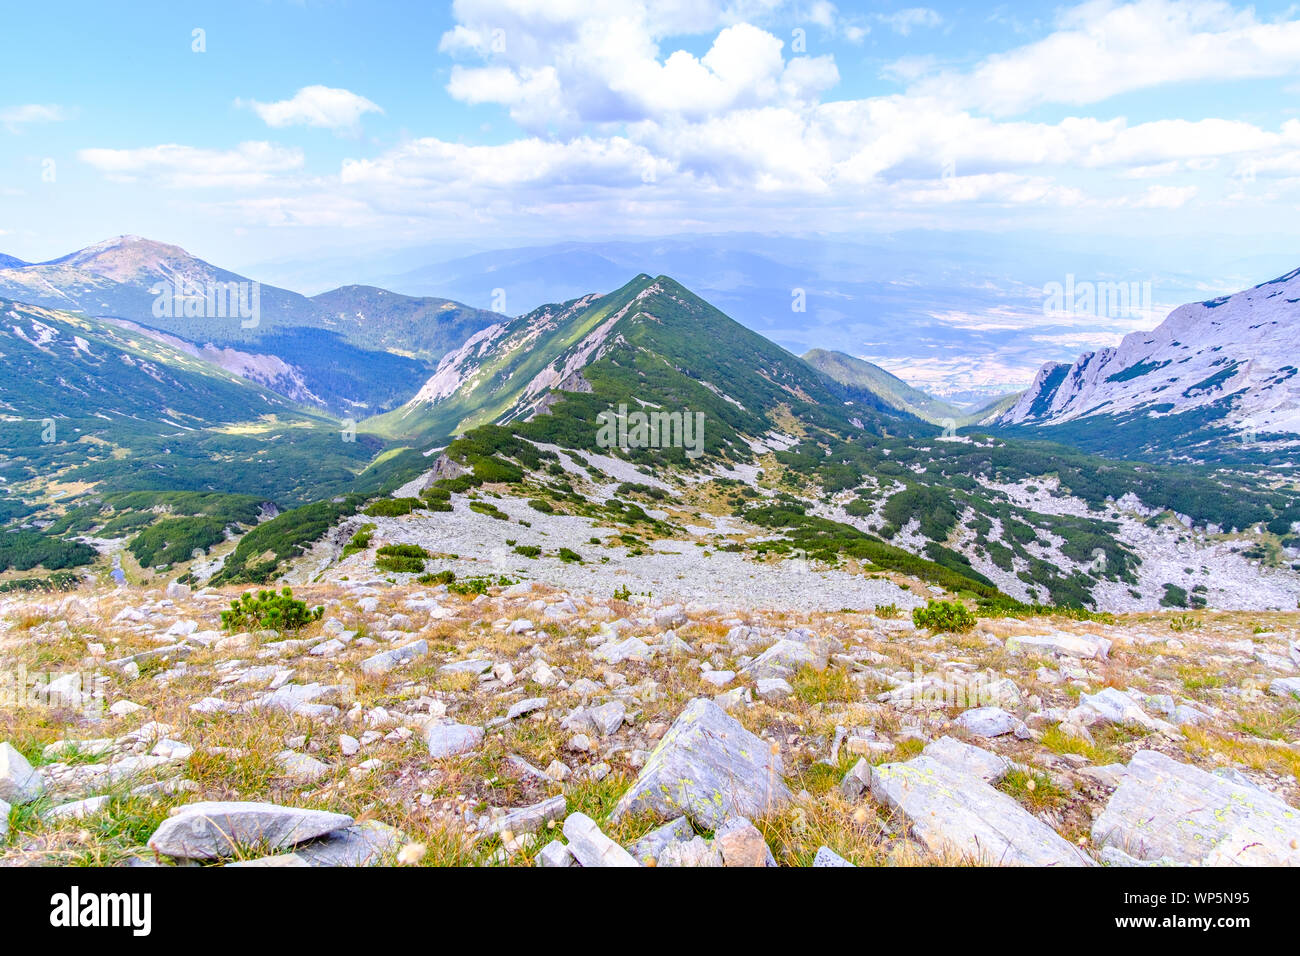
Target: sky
250,130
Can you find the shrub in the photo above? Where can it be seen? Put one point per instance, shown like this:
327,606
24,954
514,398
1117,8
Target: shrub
542,505
569,556
267,610
478,585
528,550
360,541
400,559
393,507
951,616
442,577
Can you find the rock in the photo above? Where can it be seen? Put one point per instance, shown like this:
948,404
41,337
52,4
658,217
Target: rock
718,678
615,652
954,811
19,783
650,846
828,857
78,809
693,852
1115,707
447,740
1062,645
301,768
773,688
1167,809
1285,687
967,758
124,708
4,819
210,831
527,819
349,746
857,780
475,667
785,657
710,768
363,844
555,853
330,648
672,616
606,718
387,660
740,843
590,847
525,707
992,722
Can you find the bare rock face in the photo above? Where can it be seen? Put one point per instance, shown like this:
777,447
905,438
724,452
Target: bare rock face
1169,811
211,831
710,768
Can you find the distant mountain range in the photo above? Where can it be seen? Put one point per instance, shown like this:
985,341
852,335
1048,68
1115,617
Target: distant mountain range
958,315
1214,377
356,350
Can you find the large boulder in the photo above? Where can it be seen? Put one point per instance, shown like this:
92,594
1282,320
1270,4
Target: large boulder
951,810
211,831
1172,811
19,783
710,768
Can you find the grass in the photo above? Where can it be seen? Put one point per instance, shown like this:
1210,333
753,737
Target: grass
1035,790
819,686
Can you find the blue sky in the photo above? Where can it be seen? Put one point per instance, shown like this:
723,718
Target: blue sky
327,126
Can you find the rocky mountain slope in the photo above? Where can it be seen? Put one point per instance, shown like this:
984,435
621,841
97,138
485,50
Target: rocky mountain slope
91,406
1213,372
529,725
354,350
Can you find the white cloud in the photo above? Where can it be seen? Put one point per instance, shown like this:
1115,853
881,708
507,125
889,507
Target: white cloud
320,106
563,65
903,22
1102,48
14,118
175,166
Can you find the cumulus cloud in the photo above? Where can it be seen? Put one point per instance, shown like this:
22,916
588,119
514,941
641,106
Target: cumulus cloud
320,106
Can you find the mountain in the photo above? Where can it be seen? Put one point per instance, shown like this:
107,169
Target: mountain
859,374
354,351
10,262
91,406
544,409
1213,374
650,341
